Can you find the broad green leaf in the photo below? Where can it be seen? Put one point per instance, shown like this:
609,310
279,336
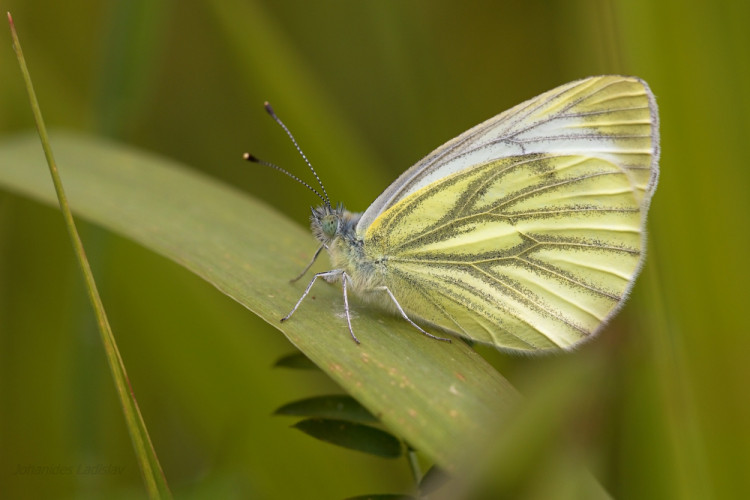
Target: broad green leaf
360,437
334,406
444,399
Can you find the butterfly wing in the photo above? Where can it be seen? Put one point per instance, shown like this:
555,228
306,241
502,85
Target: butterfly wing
527,231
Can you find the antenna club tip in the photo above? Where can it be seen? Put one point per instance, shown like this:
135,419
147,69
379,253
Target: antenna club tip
268,108
250,158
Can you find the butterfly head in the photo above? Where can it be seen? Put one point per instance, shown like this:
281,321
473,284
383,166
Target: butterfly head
329,222
326,222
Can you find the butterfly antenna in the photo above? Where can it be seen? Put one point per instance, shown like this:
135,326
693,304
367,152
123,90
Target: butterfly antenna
271,112
253,159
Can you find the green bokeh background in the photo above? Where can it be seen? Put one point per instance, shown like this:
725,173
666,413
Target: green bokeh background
368,87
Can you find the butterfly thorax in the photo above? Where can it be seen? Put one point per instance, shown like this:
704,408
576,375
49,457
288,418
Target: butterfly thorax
335,228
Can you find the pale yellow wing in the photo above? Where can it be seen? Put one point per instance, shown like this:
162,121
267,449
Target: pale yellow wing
536,250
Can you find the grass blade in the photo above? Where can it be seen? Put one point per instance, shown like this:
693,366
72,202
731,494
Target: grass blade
154,479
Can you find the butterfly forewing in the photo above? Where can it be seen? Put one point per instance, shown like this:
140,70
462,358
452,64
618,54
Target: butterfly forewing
611,117
527,231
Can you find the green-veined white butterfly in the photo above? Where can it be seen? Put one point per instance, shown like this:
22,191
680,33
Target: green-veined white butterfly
525,232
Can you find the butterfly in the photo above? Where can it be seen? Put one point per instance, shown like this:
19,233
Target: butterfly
525,232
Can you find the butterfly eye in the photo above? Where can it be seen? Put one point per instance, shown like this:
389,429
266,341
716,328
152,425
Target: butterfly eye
330,225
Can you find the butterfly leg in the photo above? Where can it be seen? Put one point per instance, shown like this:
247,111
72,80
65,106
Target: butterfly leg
326,276
403,314
307,268
344,278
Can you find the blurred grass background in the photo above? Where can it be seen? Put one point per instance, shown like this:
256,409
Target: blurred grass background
368,88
